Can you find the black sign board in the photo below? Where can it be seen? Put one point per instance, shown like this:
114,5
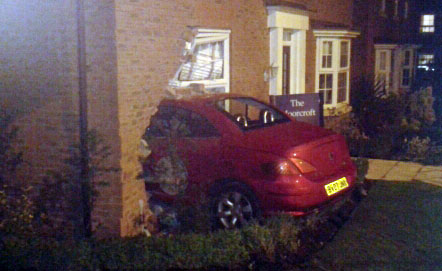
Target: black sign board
303,107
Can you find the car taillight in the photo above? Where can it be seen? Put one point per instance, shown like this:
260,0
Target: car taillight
303,166
294,166
281,167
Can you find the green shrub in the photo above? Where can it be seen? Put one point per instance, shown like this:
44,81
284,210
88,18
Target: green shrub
348,126
362,169
422,150
278,243
274,242
10,158
17,212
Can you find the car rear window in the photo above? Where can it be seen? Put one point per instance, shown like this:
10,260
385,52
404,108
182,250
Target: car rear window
249,113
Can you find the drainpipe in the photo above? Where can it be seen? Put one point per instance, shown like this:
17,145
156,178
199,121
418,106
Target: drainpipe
82,89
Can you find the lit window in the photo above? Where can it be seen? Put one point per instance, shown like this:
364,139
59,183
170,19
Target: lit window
427,23
334,57
333,68
396,9
207,61
425,61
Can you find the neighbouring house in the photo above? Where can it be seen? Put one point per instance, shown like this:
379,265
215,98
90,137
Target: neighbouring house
426,31
70,66
401,39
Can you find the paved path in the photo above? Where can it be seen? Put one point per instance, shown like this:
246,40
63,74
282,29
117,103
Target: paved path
403,171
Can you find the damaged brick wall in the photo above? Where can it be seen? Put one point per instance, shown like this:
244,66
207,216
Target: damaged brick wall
133,49
150,38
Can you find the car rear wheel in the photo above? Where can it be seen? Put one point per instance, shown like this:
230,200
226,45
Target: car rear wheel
234,206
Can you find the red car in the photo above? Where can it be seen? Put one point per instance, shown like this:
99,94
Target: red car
251,158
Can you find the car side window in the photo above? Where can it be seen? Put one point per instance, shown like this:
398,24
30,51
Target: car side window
159,123
201,127
178,122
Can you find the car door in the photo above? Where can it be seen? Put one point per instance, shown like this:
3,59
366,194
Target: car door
200,148
185,147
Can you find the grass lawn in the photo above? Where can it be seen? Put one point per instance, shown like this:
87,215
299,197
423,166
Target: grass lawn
397,227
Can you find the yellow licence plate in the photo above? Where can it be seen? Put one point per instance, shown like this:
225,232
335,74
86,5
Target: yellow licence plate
336,186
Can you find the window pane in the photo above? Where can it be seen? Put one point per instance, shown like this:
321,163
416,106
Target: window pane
286,70
342,87
326,87
427,23
383,61
407,58
328,96
287,35
344,54
216,89
327,49
207,63
200,126
329,82
425,61
247,113
406,77
322,81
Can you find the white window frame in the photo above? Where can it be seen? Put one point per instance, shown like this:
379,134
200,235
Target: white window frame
205,35
336,37
407,66
427,24
395,65
386,72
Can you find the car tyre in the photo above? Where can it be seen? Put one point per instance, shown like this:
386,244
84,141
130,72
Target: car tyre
233,205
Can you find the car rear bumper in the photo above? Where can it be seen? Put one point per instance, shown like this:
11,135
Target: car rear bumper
294,210
305,196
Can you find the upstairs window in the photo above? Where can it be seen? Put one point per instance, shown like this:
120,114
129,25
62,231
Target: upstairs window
383,8
206,61
396,9
427,23
425,61
406,10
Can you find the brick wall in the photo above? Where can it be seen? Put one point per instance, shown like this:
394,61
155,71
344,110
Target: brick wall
133,49
149,41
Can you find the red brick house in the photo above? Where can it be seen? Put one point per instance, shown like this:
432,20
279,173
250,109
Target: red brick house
389,53
69,66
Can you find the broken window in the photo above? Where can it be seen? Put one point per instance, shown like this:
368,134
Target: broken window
205,61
